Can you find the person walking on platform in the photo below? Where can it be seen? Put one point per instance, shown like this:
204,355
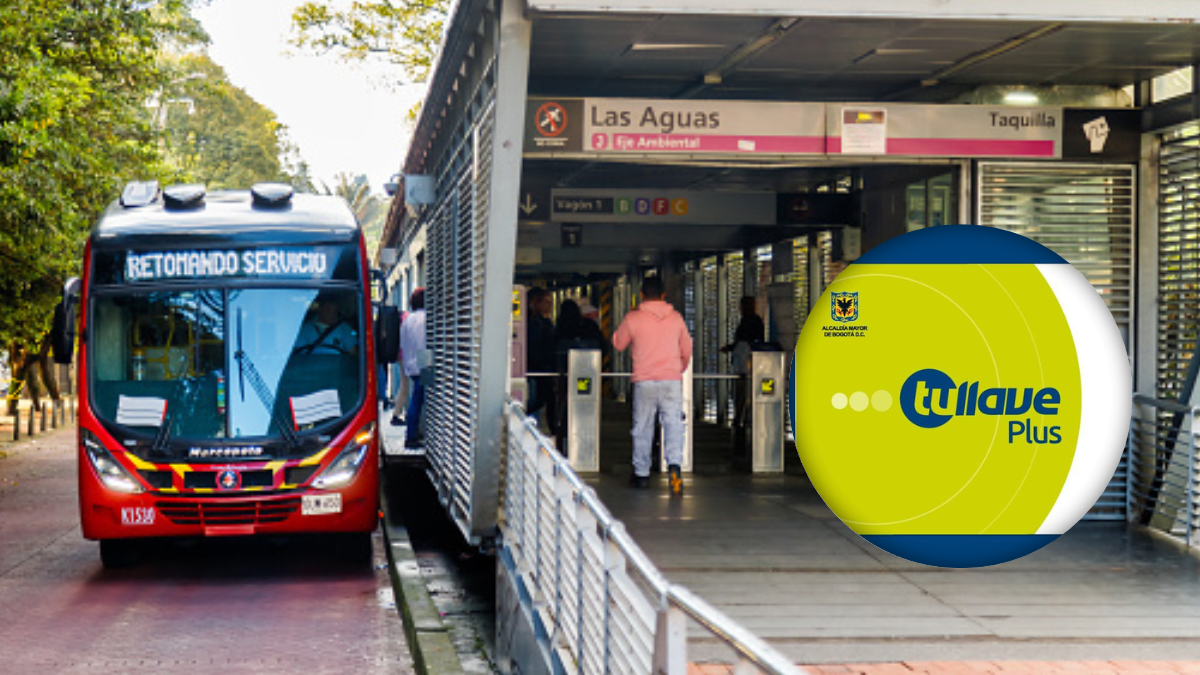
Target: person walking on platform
412,343
749,331
661,349
539,356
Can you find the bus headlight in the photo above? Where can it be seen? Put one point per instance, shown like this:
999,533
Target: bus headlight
112,474
343,469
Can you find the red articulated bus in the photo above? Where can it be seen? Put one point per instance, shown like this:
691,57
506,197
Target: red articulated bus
227,379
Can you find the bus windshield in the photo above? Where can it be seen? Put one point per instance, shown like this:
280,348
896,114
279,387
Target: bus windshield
236,363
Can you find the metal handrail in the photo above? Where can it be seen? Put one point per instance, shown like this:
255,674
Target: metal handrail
747,644
1163,473
675,604
1171,406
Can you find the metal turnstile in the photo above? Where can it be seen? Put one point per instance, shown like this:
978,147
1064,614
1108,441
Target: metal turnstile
583,409
767,382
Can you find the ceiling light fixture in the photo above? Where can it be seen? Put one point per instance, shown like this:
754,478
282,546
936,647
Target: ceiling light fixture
657,46
1021,98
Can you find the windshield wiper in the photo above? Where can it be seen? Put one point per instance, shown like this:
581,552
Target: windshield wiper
164,434
261,389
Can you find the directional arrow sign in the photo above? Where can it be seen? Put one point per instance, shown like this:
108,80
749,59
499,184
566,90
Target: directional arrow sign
534,201
528,206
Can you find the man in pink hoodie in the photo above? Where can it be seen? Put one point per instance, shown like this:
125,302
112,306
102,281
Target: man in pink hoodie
661,351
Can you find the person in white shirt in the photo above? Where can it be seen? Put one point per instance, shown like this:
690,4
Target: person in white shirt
412,343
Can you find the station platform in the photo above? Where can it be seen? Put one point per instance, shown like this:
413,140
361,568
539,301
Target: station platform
767,551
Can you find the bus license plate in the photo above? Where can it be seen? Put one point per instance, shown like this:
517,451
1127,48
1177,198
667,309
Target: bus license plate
319,505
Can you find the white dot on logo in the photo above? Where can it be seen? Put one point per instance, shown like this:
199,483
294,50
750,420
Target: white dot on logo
839,401
859,401
881,400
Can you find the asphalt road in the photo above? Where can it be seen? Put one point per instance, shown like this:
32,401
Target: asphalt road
282,605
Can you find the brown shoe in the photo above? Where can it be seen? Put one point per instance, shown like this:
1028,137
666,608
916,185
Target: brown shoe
675,478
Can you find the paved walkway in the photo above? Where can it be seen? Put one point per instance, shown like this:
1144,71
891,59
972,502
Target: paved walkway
767,551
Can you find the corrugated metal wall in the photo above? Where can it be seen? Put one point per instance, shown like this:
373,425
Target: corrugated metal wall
1178,257
457,240
1085,213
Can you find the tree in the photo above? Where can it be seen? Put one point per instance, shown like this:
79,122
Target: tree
371,211
216,134
404,32
74,76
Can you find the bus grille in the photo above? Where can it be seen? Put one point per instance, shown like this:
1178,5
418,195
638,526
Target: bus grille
250,512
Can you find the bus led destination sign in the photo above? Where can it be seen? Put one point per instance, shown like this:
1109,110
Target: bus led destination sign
160,265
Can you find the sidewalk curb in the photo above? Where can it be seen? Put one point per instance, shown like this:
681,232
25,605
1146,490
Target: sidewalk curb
428,637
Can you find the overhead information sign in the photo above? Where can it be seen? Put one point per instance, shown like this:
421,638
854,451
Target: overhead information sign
610,127
613,126
581,205
903,130
708,127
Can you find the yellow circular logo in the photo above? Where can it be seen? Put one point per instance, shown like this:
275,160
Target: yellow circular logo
961,396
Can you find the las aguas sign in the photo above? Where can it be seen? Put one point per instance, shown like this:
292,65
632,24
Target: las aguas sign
650,127
647,126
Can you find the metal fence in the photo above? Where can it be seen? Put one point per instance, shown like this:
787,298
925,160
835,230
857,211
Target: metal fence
606,608
1163,476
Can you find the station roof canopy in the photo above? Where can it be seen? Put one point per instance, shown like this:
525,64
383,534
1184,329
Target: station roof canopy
816,50
933,51
852,50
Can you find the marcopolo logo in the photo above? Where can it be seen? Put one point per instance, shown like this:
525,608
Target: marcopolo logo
930,398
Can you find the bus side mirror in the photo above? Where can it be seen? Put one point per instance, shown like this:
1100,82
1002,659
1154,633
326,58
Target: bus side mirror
62,330
387,334
379,289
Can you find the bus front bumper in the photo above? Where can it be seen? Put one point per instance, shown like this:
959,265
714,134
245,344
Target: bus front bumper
123,516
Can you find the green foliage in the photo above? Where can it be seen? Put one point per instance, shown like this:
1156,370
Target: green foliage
216,134
405,32
371,211
74,76
89,100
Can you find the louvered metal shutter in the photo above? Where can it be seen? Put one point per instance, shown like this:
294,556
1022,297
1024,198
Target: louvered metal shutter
455,246
710,337
800,279
1084,213
1178,252
736,287
825,241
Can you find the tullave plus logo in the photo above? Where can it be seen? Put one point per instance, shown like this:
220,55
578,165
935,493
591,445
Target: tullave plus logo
985,412
930,398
